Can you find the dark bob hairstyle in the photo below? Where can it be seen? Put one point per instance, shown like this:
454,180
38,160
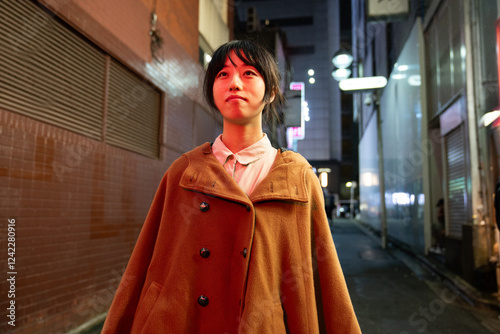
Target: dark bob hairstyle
254,55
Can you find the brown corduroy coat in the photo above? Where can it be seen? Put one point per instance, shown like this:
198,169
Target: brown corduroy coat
264,263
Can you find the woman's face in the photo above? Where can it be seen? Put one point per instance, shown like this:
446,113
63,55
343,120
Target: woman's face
239,92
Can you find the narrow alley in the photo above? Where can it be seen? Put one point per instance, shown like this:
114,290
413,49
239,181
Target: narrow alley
393,294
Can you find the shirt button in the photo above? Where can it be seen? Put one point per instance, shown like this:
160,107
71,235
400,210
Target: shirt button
203,300
245,251
204,206
204,252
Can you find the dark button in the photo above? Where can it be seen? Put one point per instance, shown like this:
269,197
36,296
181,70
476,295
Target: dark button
204,252
204,206
203,300
248,208
245,251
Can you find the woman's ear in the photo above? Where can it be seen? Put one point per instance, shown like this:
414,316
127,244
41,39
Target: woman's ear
273,95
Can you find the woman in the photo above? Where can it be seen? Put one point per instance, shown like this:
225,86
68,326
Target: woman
237,239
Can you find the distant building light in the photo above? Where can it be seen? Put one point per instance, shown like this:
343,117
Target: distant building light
398,76
323,178
312,80
305,111
310,72
208,58
363,83
402,68
489,118
414,80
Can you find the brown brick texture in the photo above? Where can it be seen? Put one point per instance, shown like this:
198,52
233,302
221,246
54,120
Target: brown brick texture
79,203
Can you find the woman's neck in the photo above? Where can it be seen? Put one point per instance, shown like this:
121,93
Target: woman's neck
237,137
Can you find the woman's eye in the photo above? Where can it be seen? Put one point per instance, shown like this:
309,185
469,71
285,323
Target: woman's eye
221,74
250,73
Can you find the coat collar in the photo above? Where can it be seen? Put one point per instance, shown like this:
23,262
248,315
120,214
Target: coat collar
286,179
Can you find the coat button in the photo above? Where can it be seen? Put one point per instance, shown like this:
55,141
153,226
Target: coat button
204,252
204,206
203,300
245,251
248,208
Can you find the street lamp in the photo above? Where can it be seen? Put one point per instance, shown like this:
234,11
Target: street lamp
351,185
341,74
342,60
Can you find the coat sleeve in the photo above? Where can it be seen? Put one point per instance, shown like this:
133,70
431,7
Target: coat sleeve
120,316
334,306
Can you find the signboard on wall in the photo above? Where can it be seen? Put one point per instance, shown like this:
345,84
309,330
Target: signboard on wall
297,130
293,108
387,9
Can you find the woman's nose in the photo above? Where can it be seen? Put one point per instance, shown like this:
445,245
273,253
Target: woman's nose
235,83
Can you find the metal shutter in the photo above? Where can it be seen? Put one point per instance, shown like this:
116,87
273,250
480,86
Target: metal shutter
47,72
133,112
456,182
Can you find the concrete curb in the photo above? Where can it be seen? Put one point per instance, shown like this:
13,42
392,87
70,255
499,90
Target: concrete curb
93,326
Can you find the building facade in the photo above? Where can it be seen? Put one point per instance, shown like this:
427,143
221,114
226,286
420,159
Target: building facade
96,100
428,167
312,35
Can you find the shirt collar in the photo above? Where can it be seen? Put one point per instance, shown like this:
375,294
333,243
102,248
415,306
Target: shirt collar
246,156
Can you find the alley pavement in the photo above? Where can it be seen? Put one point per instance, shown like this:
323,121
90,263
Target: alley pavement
394,293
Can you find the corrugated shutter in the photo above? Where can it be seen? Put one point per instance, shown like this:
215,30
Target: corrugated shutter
456,182
47,72
133,112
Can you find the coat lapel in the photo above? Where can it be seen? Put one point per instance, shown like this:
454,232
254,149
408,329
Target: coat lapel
285,180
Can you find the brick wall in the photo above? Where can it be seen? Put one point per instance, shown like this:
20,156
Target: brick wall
79,203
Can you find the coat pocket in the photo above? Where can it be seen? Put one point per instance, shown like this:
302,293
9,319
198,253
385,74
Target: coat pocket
146,306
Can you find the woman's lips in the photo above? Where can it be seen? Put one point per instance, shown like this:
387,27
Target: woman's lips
235,97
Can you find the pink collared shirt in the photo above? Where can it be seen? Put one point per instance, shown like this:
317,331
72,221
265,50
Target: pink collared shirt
249,166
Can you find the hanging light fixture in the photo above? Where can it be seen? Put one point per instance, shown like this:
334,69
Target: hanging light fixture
341,73
342,59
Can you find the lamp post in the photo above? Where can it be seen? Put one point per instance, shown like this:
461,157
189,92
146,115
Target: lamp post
351,185
357,85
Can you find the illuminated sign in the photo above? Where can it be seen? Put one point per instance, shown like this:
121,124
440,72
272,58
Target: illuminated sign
366,83
387,8
296,86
